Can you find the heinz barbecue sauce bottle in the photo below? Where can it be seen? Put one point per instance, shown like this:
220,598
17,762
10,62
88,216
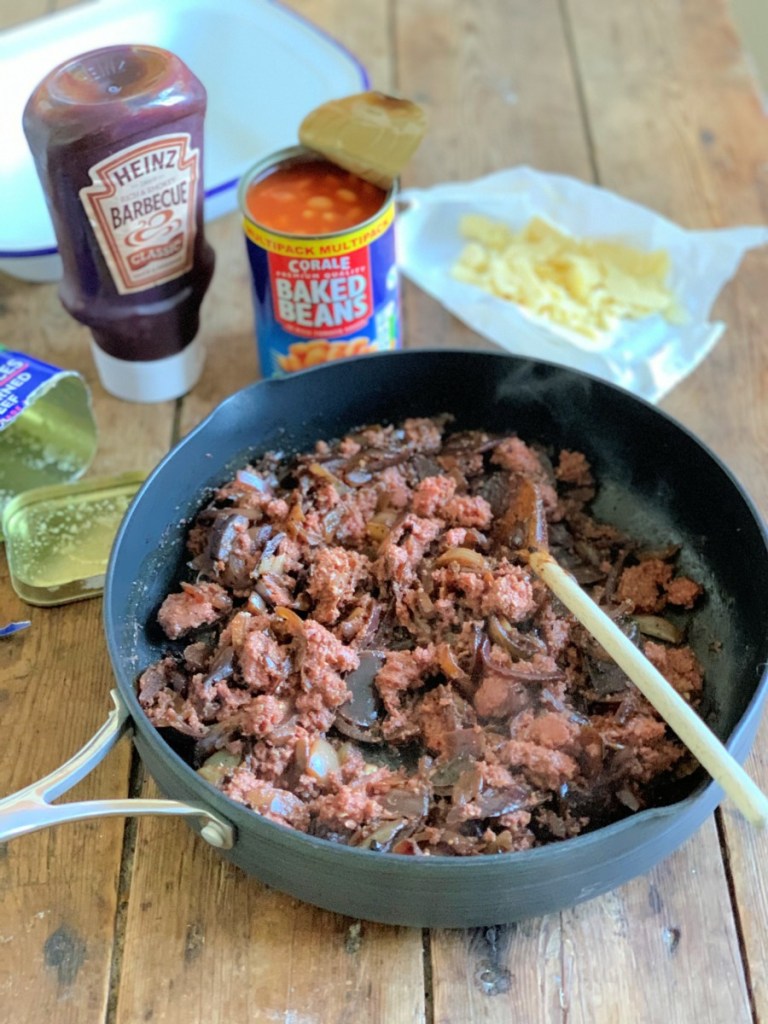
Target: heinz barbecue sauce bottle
117,138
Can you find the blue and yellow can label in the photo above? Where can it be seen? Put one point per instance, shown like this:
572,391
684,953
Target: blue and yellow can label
320,298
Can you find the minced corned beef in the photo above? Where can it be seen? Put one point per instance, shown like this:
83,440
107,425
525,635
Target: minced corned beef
363,653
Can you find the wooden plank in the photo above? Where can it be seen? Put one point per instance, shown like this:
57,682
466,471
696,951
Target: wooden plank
61,5
747,856
499,974
364,28
664,940
681,93
497,86
59,889
231,948
669,87
590,964
13,15
226,948
498,89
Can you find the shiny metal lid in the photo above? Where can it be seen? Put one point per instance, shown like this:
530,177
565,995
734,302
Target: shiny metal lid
58,538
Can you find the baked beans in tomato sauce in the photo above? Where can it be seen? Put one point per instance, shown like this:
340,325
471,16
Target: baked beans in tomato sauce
314,197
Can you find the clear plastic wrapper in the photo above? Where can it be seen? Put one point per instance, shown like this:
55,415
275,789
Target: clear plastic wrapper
648,356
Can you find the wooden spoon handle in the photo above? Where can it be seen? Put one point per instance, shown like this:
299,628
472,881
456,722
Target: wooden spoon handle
681,718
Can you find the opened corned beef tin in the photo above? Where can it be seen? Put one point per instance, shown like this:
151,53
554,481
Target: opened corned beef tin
47,427
321,247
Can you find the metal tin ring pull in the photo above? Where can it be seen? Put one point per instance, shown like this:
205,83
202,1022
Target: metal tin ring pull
31,809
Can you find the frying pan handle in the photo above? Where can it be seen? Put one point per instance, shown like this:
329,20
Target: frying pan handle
31,809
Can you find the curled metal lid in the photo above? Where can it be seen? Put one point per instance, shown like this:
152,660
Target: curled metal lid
371,134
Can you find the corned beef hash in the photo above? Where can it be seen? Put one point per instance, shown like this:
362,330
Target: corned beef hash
361,652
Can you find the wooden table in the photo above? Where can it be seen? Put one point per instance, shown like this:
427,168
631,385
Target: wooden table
129,921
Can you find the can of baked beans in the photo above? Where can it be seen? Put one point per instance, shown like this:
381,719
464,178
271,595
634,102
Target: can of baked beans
321,247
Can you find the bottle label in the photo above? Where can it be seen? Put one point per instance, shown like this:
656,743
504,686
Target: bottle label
141,206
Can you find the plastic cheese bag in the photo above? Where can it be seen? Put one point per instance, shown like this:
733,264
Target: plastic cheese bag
526,259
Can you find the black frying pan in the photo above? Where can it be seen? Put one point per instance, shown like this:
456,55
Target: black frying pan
658,482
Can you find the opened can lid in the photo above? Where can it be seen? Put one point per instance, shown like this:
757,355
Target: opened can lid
59,538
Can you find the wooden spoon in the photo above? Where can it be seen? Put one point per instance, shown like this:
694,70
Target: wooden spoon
681,718
527,527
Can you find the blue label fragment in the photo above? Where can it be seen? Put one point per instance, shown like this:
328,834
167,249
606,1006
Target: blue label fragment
14,627
21,376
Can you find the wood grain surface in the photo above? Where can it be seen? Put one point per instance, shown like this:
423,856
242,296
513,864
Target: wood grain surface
115,922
